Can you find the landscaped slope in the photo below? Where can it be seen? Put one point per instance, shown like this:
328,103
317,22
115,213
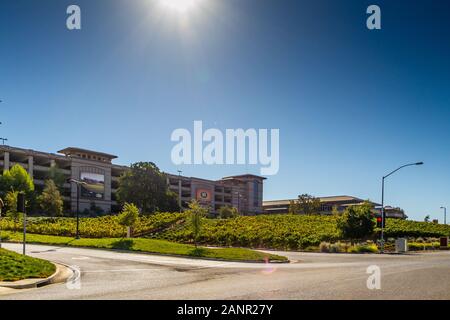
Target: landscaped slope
14,266
151,246
263,231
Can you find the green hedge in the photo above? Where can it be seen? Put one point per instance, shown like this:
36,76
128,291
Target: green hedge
101,227
406,228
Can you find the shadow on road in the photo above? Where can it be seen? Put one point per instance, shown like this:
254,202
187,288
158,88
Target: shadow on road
123,244
197,252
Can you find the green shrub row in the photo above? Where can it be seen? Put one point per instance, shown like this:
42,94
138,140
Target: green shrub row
406,228
101,227
290,231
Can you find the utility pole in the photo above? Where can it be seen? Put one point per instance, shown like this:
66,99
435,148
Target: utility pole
1,207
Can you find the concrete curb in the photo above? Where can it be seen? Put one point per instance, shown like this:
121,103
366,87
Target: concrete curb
61,274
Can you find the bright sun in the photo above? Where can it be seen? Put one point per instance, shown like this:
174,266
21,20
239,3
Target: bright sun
181,6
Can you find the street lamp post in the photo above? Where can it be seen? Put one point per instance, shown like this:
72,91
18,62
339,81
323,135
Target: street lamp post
1,207
179,189
383,217
445,214
238,201
78,183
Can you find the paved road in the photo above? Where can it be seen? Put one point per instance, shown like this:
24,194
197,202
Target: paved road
117,275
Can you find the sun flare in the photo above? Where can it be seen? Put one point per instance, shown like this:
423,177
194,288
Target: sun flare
181,6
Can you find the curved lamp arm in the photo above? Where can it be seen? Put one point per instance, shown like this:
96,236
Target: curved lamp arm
406,165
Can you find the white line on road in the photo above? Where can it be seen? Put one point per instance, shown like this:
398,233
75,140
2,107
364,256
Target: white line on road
119,270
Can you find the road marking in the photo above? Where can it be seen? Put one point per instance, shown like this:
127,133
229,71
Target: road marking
119,270
80,258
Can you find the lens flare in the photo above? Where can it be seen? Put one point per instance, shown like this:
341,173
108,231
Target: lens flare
181,6
269,269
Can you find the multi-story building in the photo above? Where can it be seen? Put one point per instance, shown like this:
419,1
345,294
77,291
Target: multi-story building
327,204
94,168
244,192
100,179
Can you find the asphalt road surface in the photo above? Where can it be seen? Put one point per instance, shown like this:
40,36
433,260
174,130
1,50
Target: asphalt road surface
117,275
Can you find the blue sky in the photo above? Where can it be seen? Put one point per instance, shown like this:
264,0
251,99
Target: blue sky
351,104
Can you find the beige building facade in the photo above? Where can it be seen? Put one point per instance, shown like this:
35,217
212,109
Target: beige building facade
244,192
100,179
94,168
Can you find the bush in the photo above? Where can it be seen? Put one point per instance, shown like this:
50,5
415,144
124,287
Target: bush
334,248
420,240
196,214
367,248
50,200
227,212
404,228
129,215
339,247
415,246
324,247
356,222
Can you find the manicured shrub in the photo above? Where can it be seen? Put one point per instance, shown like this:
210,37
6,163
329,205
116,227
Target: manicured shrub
367,248
324,247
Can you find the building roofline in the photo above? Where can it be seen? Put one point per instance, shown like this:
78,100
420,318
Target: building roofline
243,176
69,150
33,152
322,199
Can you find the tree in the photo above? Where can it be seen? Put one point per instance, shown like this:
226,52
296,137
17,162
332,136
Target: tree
335,211
58,177
11,201
146,186
292,207
226,212
5,183
18,179
196,214
12,182
356,222
11,207
306,204
129,216
50,199
170,202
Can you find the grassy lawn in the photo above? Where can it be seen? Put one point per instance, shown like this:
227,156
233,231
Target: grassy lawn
148,245
14,266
